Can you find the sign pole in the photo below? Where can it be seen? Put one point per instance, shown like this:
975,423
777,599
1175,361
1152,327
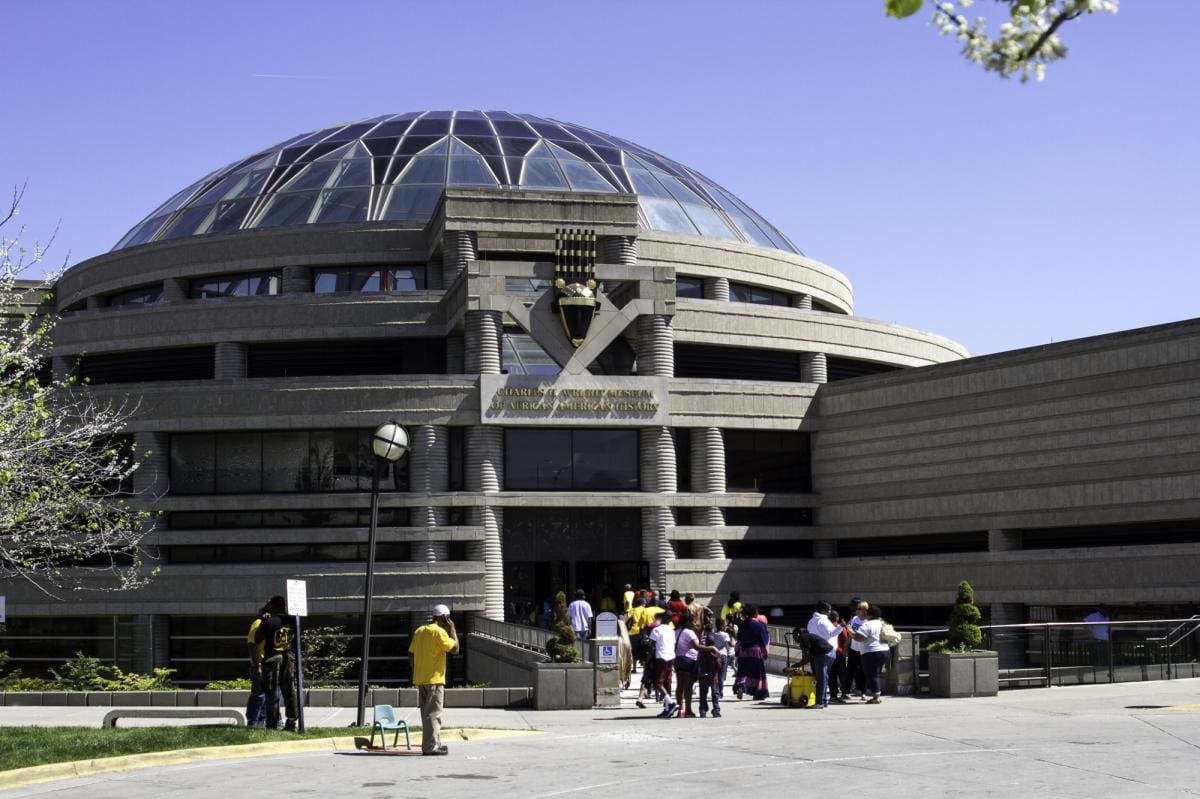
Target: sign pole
297,601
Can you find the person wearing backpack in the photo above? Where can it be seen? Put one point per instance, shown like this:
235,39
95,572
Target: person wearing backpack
823,638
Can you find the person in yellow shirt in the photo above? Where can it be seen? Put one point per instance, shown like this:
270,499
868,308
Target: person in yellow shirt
627,598
428,649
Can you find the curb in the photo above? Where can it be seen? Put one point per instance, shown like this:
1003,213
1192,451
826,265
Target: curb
50,772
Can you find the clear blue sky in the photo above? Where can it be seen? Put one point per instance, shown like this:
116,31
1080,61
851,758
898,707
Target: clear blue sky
998,214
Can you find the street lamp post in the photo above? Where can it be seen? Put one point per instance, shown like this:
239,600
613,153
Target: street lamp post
388,444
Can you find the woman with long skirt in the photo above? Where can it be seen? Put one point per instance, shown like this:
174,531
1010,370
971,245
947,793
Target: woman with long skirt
752,642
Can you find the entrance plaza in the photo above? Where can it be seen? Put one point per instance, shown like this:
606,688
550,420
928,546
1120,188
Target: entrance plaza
1124,740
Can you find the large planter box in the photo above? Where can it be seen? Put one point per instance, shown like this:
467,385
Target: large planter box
957,675
563,686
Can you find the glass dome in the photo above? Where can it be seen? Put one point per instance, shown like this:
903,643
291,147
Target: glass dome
393,168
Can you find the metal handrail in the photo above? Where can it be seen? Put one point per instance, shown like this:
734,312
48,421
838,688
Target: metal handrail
1047,651
534,639
1194,621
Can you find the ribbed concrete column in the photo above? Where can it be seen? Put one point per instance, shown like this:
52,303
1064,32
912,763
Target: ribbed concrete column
434,277
1012,648
708,476
655,346
458,250
716,288
175,289
825,548
482,346
229,361
429,474
152,479
813,367
296,280
620,250
485,475
802,301
657,454
455,355
1004,540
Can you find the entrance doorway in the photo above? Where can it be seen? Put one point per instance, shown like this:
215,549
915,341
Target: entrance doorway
547,550
529,584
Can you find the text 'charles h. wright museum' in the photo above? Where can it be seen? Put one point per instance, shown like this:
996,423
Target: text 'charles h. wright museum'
612,371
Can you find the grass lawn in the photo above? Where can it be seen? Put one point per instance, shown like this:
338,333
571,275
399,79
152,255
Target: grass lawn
37,746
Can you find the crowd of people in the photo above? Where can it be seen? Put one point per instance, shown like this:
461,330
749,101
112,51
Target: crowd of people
687,651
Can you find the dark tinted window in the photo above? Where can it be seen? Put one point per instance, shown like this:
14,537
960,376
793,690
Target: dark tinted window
144,366
689,287
289,461
251,285
740,292
736,363
146,295
767,461
353,357
369,279
570,460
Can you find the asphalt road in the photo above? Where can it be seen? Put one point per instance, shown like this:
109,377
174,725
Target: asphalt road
1127,740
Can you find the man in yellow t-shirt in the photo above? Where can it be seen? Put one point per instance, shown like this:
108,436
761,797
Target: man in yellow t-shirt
430,645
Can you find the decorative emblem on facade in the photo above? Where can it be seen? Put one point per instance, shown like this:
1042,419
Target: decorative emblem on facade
575,281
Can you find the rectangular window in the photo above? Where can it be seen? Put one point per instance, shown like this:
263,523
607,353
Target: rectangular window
767,461
369,279
571,460
146,295
692,287
741,292
278,462
248,285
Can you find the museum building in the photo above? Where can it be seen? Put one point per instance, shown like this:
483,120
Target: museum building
612,370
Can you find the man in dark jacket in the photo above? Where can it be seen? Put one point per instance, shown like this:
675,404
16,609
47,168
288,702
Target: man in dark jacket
279,662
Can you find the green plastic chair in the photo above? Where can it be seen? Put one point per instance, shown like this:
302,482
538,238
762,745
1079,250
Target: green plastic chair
385,721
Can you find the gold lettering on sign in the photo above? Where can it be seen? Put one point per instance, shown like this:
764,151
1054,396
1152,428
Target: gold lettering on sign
549,401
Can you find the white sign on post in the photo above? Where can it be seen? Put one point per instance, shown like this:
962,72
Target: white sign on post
606,625
3,617
297,598
607,654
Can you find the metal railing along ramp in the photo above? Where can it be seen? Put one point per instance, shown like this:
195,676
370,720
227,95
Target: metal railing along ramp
532,638
1081,653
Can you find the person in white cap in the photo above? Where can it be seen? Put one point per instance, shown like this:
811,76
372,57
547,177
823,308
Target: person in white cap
430,645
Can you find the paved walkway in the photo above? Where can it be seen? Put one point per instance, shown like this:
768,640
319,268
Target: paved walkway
1125,740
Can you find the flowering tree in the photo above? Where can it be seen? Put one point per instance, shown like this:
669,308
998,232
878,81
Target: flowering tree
64,469
1025,42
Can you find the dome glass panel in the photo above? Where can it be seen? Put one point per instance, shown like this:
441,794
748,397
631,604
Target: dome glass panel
394,168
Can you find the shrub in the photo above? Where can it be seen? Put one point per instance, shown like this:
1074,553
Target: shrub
240,684
561,647
324,655
964,633
80,673
159,680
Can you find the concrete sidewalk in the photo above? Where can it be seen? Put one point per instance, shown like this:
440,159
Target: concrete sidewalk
1124,740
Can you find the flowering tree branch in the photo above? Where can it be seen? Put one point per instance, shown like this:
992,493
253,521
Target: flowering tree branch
1025,43
65,471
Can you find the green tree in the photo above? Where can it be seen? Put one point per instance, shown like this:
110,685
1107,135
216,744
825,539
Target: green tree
964,633
561,648
64,517
1025,42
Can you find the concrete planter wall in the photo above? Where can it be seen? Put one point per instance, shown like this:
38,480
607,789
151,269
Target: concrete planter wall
316,697
563,686
958,675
